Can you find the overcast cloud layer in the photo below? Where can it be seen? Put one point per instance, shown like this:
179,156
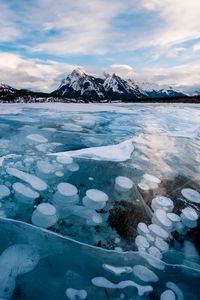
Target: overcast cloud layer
150,40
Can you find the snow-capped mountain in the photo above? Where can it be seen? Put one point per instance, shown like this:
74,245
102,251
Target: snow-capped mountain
116,87
6,91
12,95
80,85
4,88
154,90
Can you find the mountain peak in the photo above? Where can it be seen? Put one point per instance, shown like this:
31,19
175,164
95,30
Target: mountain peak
78,72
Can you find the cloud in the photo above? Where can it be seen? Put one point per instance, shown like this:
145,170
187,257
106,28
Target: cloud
196,48
65,27
121,70
9,31
35,74
180,20
187,75
72,27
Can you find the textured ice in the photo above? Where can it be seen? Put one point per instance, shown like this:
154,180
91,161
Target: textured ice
168,295
156,230
66,160
123,184
144,274
191,195
33,180
45,169
4,191
118,271
174,287
189,217
24,193
71,127
162,202
45,215
73,294
141,242
104,283
161,244
37,138
160,218
151,178
16,260
67,189
142,229
155,252
83,242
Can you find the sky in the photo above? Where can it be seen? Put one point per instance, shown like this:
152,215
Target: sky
41,41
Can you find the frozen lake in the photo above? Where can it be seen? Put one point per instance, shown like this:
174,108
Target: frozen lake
99,201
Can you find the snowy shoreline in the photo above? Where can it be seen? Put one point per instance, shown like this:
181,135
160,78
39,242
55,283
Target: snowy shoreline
16,108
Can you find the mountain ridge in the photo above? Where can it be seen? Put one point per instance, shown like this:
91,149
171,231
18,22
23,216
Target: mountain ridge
112,87
80,86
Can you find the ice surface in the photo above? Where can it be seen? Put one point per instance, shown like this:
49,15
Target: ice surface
76,264
37,138
81,240
16,260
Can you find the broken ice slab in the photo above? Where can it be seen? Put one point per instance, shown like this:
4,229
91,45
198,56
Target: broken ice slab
120,152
